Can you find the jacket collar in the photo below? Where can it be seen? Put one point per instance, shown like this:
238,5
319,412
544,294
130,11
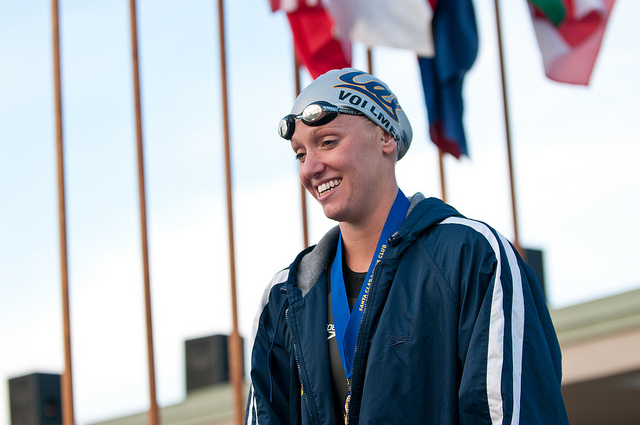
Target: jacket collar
312,262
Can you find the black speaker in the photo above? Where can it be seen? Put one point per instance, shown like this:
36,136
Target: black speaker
35,399
207,361
535,261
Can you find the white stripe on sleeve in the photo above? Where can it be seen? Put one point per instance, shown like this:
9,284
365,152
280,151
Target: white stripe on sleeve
495,351
517,327
280,277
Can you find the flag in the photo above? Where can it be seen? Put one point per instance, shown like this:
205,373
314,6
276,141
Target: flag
455,37
312,29
446,28
569,34
393,23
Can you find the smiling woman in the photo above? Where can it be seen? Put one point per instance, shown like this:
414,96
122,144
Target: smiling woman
575,153
454,288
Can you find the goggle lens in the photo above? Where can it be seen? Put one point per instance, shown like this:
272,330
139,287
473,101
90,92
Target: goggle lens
286,127
311,113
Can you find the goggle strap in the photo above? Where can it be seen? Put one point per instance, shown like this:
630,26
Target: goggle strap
287,124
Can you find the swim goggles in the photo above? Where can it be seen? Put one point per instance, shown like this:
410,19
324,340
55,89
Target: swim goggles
314,114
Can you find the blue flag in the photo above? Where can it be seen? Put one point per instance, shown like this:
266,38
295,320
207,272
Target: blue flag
455,37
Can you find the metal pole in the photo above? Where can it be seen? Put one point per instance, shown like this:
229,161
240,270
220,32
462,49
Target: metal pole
67,376
153,405
443,186
507,130
303,192
235,350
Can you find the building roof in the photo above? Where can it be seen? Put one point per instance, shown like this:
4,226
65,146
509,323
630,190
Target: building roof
600,343
207,406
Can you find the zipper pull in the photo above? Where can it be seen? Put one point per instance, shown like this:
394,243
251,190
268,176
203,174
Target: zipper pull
395,239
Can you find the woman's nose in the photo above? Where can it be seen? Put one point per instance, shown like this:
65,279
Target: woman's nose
311,166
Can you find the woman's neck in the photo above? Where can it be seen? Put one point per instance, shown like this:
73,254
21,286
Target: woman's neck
360,241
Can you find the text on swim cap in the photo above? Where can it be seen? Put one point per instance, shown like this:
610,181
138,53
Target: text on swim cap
372,89
356,100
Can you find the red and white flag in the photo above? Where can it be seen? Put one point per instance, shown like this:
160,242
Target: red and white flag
312,29
394,23
324,29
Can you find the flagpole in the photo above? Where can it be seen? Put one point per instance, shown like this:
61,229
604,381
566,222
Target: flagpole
67,376
153,405
507,130
443,186
303,192
235,348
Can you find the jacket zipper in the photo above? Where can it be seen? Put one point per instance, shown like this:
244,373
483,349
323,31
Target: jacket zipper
355,350
295,355
393,240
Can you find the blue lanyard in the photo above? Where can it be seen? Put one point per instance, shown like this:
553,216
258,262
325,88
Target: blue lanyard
347,323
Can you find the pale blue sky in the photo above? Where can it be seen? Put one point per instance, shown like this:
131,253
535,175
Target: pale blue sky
576,154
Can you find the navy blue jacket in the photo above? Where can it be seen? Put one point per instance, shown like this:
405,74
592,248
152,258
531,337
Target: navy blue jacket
456,331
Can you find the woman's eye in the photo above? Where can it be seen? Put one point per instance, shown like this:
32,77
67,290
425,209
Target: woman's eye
328,142
299,156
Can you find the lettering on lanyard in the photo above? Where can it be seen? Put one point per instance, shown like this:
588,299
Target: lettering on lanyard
367,289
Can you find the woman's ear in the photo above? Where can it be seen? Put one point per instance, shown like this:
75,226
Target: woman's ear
389,144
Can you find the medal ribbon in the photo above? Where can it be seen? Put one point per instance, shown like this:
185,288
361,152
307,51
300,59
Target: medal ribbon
347,323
